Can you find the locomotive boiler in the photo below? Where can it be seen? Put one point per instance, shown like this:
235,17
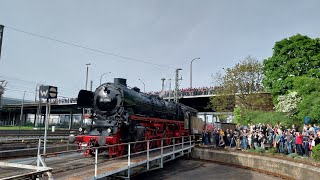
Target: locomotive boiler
121,114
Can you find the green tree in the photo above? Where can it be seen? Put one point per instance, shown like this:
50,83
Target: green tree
306,85
239,85
308,90
294,56
310,106
243,116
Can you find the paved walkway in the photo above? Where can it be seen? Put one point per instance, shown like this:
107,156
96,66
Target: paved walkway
191,169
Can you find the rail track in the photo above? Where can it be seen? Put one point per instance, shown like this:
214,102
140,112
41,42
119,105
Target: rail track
8,133
24,143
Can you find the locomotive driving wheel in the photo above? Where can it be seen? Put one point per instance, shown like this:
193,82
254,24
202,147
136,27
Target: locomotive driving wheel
117,151
168,135
138,147
120,150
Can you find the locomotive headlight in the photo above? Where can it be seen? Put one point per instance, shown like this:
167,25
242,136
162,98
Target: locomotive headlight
80,129
109,130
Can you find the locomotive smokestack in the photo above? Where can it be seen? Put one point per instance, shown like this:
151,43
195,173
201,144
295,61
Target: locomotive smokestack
121,81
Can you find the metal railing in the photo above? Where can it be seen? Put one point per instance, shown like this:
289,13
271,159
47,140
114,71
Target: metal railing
190,93
172,150
177,147
36,171
8,140
30,149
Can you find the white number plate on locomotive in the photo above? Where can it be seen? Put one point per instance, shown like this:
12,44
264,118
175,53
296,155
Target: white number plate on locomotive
106,99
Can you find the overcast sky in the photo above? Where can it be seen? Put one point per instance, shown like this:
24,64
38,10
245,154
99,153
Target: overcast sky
165,32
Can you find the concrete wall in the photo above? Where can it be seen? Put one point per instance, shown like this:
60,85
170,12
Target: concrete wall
287,168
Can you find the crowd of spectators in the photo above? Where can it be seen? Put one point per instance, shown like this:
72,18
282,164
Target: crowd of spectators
188,92
284,139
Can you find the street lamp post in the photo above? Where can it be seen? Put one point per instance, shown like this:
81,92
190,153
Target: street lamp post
176,89
170,89
103,75
21,113
162,85
191,71
144,85
83,109
87,74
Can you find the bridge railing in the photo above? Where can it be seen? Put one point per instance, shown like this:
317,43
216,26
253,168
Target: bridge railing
177,147
33,171
189,93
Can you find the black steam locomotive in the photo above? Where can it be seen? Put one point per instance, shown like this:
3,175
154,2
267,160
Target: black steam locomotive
121,114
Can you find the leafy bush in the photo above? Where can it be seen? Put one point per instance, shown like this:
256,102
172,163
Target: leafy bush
251,150
246,116
257,150
260,150
272,150
316,152
293,155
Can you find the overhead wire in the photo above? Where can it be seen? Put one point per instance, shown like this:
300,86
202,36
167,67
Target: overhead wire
83,47
17,79
32,84
87,48
17,90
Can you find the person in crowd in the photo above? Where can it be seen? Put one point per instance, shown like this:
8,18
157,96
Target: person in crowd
221,139
270,138
281,142
232,139
237,138
299,138
250,139
228,137
244,141
213,136
255,140
317,139
286,140
305,132
289,138
221,143
209,137
311,130
217,137
294,146
206,138
294,128
316,128
277,140
203,137
312,143
306,146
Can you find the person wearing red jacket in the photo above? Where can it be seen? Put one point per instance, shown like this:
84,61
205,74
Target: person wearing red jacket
299,139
